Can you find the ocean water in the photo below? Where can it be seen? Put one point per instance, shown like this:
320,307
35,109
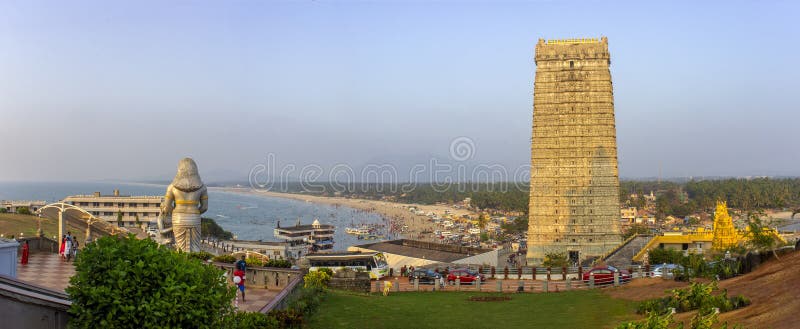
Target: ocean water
248,217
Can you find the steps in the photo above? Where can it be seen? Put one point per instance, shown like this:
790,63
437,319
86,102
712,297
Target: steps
622,257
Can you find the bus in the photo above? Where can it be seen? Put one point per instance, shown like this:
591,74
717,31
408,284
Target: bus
372,262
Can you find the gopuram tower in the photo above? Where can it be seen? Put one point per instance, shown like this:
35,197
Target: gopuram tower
574,194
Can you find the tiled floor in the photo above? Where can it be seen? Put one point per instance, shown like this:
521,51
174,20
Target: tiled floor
52,272
46,270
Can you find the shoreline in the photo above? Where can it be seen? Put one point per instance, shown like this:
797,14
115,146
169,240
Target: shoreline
396,214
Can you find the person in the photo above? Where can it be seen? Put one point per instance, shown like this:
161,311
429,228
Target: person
68,247
25,253
239,274
241,264
387,285
61,248
75,247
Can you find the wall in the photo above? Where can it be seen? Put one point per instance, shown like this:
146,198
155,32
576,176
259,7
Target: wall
264,277
26,306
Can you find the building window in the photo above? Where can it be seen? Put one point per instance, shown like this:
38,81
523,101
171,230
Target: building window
590,240
573,240
571,64
108,204
131,214
573,211
120,204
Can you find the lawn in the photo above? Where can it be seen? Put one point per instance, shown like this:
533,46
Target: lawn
14,224
574,309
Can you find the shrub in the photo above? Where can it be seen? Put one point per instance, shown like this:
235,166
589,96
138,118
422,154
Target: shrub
123,282
225,259
316,279
201,255
23,211
288,318
555,259
3,210
253,261
278,263
698,296
326,270
249,320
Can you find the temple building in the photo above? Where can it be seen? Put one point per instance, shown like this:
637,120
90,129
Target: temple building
574,195
725,234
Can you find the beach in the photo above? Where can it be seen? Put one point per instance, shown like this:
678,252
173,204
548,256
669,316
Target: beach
419,227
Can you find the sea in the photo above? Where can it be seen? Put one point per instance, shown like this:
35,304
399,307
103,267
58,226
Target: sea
248,217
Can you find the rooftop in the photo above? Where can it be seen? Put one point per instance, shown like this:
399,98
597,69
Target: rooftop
299,228
425,250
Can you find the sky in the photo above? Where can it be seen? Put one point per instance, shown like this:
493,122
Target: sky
124,89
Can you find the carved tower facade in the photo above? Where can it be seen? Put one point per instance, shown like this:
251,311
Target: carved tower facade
574,195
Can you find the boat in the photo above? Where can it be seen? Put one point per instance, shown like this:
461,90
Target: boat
357,231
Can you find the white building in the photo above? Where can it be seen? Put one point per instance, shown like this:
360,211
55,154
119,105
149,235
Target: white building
108,207
15,205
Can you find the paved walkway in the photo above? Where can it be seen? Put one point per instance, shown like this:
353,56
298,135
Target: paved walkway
46,270
51,271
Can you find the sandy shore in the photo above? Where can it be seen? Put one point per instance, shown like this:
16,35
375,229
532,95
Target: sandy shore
397,214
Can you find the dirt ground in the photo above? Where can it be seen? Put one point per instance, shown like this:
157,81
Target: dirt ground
773,289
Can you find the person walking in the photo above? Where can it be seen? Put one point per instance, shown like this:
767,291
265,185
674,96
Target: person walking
25,253
238,279
61,248
68,248
241,264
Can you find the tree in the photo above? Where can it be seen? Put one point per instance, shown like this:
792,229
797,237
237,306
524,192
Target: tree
123,282
555,259
119,218
23,211
3,210
759,236
136,218
636,229
483,219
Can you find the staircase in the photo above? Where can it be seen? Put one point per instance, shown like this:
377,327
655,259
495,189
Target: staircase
622,256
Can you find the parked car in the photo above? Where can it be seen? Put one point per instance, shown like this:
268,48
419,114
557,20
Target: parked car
466,276
665,270
425,276
605,275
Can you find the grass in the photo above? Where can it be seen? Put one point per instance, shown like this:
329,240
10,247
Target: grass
14,224
574,309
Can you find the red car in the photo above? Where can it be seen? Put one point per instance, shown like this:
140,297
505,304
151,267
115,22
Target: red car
605,275
465,276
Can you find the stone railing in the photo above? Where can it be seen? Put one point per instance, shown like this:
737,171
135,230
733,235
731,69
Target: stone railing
280,301
264,277
38,244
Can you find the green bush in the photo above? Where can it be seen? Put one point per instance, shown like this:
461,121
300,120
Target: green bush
288,318
316,279
3,210
665,256
201,255
123,282
250,320
698,296
326,270
225,259
555,259
278,263
253,261
23,211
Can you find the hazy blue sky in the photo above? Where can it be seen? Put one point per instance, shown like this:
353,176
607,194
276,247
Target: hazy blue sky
99,90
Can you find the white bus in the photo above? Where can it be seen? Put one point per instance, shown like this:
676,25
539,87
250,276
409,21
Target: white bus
372,262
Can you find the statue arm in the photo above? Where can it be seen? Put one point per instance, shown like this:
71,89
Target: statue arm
166,209
203,200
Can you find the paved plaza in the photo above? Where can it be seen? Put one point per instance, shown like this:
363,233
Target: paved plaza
52,272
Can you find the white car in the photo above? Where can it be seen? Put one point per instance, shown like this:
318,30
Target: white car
665,270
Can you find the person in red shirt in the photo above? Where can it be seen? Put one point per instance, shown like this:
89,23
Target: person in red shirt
240,275
25,253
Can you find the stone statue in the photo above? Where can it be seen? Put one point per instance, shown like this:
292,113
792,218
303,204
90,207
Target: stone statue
185,200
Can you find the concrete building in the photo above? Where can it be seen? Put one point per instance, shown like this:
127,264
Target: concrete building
302,240
405,252
108,207
574,195
628,215
15,205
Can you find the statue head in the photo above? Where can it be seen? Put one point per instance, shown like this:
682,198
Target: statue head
187,179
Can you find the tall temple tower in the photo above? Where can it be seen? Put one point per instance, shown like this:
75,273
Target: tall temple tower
574,195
